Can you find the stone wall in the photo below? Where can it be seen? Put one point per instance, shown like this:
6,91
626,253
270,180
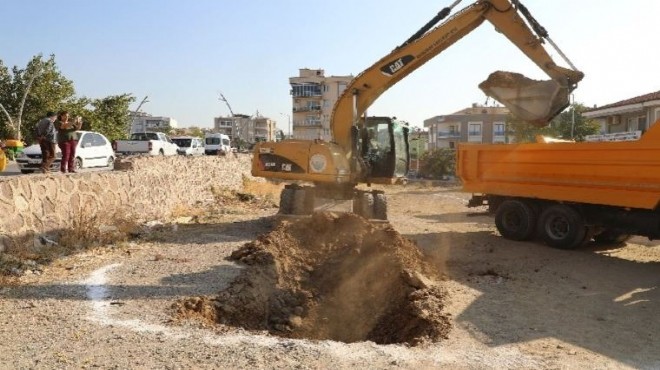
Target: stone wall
148,187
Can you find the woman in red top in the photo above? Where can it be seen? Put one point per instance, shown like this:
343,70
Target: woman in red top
67,139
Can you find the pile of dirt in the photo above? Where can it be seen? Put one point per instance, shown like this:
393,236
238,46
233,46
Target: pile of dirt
507,80
336,277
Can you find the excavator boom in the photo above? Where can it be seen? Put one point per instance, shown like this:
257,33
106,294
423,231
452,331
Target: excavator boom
536,102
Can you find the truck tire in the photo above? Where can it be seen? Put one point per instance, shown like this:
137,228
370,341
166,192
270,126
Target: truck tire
561,226
380,206
610,236
286,201
515,220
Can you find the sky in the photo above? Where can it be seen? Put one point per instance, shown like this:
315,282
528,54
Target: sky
182,54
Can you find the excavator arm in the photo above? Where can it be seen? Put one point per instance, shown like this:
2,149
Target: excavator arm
375,149
534,101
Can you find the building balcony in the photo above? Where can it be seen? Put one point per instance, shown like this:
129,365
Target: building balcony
307,109
306,94
449,135
474,137
307,123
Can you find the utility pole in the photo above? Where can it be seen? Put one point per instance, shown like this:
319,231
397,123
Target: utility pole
573,117
234,121
135,114
222,98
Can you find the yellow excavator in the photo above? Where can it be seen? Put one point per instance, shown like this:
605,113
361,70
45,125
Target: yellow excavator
375,149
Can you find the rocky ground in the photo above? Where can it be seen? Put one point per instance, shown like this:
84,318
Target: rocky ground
509,304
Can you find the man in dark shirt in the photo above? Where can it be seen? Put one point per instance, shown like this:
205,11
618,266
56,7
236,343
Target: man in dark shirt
46,135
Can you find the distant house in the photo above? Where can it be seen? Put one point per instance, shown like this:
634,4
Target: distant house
142,122
477,124
634,114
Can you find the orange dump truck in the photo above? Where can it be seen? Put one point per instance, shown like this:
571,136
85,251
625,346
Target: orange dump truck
567,193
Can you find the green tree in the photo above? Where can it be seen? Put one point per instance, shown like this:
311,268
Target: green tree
560,127
437,163
28,93
523,132
110,116
584,126
195,131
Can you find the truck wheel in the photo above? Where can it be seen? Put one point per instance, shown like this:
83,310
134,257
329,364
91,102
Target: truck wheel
561,226
515,220
286,201
161,152
380,206
610,236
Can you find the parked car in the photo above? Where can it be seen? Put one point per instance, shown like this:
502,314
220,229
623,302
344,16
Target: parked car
93,150
151,143
189,145
217,144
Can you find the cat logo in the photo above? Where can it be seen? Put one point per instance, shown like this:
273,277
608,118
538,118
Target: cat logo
393,67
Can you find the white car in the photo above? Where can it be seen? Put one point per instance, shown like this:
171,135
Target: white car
93,150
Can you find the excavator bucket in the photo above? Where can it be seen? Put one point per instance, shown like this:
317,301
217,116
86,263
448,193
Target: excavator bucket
535,102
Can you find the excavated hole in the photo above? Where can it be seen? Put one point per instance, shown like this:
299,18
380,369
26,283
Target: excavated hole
335,277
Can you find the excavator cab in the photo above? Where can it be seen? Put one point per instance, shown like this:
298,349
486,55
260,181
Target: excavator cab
384,149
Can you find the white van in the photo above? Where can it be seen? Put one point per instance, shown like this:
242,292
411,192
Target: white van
216,144
189,145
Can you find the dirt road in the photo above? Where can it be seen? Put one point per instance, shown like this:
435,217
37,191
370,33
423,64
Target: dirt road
512,304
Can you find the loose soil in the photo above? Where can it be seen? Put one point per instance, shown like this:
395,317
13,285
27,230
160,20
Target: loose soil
513,305
507,80
331,276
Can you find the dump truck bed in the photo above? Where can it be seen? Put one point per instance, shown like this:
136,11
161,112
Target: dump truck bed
624,174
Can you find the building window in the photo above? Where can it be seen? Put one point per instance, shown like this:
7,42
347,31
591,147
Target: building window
341,88
474,129
305,90
637,124
498,129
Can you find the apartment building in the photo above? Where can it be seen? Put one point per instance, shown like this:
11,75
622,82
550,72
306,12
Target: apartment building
634,114
246,128
313,96
476,124
143,122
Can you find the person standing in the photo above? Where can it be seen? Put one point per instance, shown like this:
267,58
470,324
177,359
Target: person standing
67,139
45,132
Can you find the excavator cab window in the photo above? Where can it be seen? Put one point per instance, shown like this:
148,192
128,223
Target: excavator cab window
385,147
